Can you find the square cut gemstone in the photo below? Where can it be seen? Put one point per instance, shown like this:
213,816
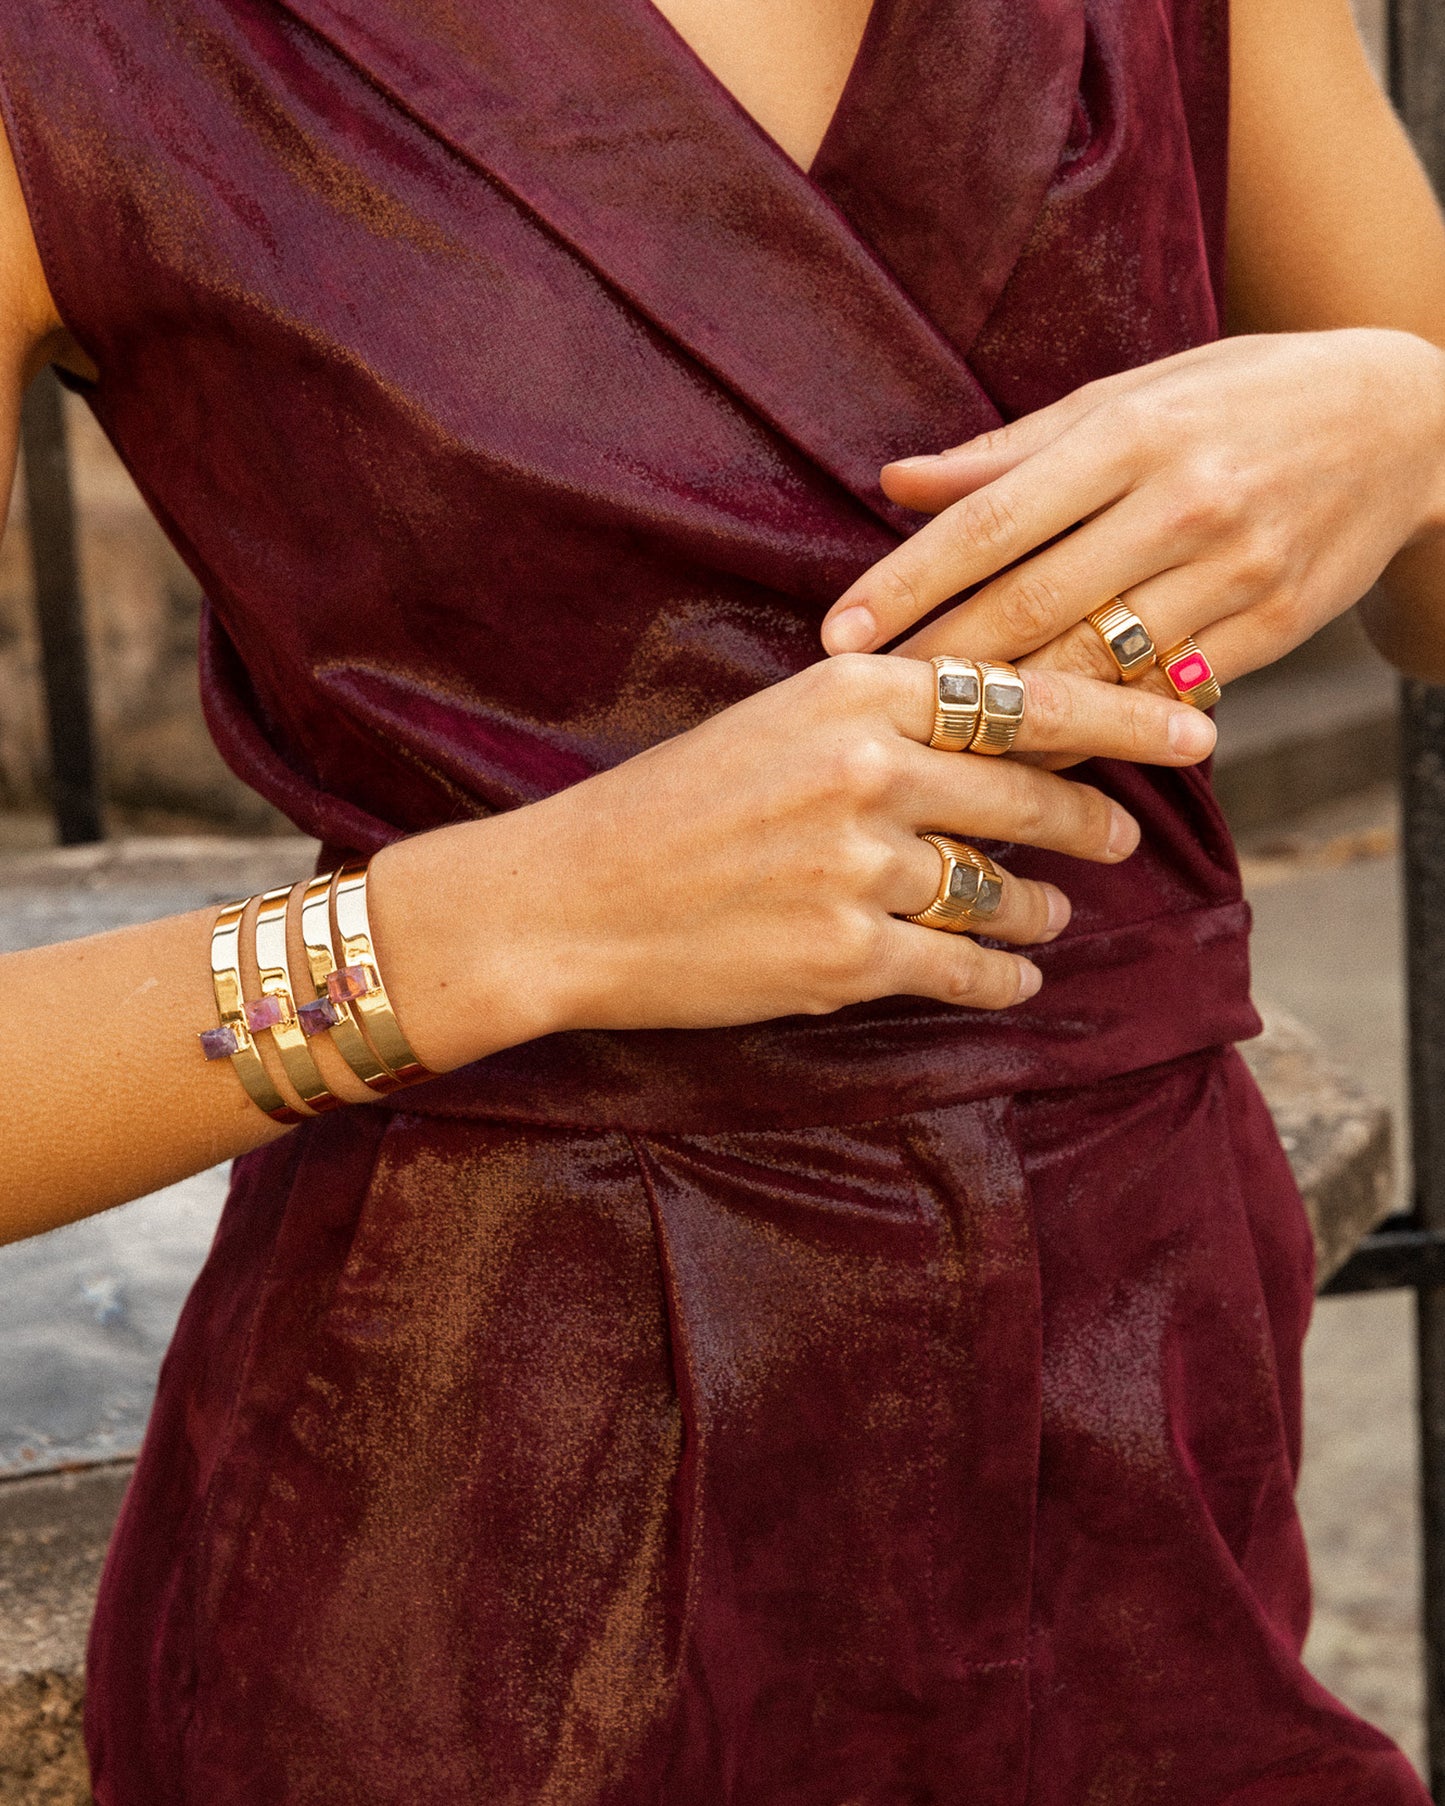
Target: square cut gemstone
266,1012
350,983
960,687
319,1015
1131,645
963,884
1006,696
220,1043
1189,672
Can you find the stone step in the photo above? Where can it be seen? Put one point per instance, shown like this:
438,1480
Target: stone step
1295,737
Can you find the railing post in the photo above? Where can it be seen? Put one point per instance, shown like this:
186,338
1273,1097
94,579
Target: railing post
1424,810
50,512
1417,82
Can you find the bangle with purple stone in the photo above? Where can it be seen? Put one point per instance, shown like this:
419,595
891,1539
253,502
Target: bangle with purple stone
288,1029
330,1009
232,1039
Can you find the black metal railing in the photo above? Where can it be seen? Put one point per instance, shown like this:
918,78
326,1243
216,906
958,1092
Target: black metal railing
65,665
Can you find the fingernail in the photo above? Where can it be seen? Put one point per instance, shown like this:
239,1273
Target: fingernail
1191,733
1060,910
1030,978
914,463
1123,833
853,630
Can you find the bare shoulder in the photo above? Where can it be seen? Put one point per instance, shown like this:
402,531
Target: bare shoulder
32,332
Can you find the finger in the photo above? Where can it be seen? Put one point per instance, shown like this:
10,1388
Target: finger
1078,717
930,481
1192,601
1028,912
924,962
1000,799
1105,719
1041,598
976,537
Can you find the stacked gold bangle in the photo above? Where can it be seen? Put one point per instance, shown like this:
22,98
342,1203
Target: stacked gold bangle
350,1001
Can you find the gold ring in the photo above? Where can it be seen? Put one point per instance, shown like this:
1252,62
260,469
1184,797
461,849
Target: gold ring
1190,674
957,699
1126,639
1001,708
969,892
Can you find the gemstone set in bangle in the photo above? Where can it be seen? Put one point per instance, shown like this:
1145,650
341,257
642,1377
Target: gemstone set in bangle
262,1013
351,982
220,1043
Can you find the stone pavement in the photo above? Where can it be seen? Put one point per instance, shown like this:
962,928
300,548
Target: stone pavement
1327,946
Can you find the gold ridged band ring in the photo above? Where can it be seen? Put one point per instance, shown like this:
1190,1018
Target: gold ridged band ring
1126,639
1190,674
969,891
1001,708
957,699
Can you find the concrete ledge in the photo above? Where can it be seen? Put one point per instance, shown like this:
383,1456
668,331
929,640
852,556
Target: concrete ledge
53,1533
1291,740
1339,1139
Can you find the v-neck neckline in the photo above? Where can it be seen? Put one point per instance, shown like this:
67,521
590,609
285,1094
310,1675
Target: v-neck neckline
874,29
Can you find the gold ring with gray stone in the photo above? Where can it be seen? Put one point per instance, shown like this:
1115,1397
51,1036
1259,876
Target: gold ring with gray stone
1000,708
969,891
957,697
1126,639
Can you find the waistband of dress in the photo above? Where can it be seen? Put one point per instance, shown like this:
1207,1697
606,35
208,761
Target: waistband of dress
1112,1002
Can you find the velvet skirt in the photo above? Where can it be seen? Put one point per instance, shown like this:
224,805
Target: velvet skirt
941,1457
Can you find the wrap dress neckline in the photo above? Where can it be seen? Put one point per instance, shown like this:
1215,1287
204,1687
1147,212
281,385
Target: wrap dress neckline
880,14
616,135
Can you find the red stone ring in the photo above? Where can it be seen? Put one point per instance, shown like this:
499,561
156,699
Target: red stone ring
1190,674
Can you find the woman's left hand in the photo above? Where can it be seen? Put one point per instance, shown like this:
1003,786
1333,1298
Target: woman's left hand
1243,493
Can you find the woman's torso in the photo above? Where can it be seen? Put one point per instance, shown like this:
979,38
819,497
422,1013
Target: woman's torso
519,403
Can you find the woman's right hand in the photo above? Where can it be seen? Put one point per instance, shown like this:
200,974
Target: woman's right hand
756,866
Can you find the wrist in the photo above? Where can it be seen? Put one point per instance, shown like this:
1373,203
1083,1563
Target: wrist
468,967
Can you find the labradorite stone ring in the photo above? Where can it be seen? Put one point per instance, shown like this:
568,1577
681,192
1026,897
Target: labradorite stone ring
969,891
1126,639
958,694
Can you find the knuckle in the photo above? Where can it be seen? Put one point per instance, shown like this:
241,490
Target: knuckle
865,769
1051,707
845,954
862,864
1095,820
846,681
986,520
963,980
1262,559
894,589
1034,811
1030,606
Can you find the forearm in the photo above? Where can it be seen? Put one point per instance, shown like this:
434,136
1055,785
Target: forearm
107,1095
1318,240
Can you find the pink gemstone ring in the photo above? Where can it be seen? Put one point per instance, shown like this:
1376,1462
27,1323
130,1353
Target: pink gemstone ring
1190,674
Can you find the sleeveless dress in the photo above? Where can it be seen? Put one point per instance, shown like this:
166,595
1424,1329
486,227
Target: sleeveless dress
899,1408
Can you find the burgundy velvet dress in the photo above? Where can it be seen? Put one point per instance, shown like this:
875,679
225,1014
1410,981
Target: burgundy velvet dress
889,1409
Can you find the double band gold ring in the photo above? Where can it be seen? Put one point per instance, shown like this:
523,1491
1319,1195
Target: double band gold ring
970,889
978,707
